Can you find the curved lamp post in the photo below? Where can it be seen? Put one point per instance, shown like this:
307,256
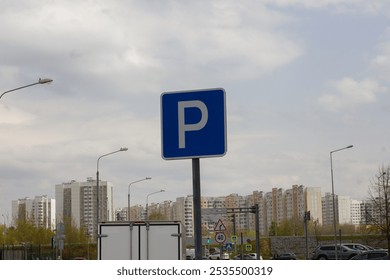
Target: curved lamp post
128,195
40,81
147,202
97,184
333,199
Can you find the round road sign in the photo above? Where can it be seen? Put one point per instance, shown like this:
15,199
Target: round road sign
220,237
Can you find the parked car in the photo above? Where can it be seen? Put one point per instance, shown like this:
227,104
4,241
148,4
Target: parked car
190,254
358,246
327,252
285,256
79,258
249,256
372,255
219,256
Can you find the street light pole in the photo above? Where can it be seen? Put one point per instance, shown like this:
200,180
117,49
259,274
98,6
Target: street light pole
386,211
97,189
40,81
333,198
128,195
147,202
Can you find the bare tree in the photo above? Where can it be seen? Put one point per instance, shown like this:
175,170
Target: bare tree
379,198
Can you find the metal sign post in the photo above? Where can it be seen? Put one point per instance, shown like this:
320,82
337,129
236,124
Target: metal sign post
255,210
189,119
197,208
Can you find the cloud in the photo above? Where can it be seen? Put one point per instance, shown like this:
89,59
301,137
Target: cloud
381,62
339,6
349,94
154,41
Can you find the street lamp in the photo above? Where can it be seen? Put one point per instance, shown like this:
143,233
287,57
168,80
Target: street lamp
380,196
40,81
97,185
333,199
384,212
128,195
147,202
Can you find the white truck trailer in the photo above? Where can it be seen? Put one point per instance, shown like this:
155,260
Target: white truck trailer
141,240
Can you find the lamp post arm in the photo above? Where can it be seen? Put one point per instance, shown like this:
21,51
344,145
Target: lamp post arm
128,195
348,147
147,202
117,151
41,81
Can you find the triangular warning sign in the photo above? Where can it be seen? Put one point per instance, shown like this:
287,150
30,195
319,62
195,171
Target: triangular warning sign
219,226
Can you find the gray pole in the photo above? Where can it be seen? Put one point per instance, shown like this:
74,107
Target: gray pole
333,198
197,208
257,231
334,208
97,196
242,245
97,205
305,219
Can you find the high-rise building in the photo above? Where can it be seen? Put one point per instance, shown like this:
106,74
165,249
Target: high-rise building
327,208
356,213
344,206
77,201
40,210
295,203
313,204
184,212
275,206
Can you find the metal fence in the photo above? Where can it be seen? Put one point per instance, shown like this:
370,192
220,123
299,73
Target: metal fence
26,252
47,252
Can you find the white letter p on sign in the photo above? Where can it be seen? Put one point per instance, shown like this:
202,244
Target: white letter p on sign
183,127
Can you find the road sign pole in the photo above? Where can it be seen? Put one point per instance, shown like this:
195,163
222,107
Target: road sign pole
197,208
256,207
186,136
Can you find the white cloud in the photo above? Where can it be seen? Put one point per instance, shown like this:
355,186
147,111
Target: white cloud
13,115
339,6
349,93
232,41
381,62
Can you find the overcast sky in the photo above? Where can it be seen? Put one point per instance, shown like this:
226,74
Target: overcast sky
302,78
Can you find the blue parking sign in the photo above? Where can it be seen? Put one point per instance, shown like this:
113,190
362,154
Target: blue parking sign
193,124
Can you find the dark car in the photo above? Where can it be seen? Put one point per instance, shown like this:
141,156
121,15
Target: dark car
327,252
372,255
358,246
285,256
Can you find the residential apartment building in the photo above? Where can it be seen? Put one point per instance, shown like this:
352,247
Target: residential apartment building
183,211
274,207
327,208
370,212
313,204
356,212
344,207
40,210
78,201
